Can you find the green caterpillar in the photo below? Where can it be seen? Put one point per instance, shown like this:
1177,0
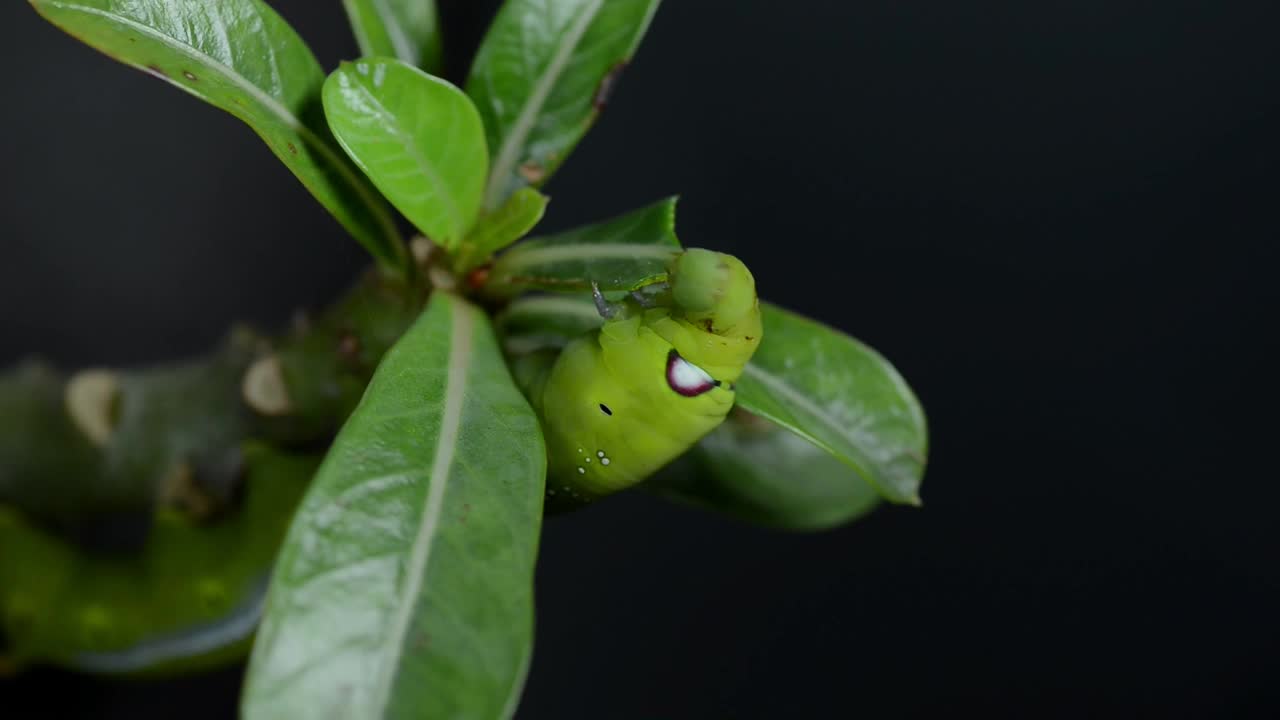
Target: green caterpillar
190,599
621,401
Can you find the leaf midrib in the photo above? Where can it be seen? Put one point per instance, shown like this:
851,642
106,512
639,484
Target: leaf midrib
504,165
603,251
462,325
781,387
404,47
271,104
537,306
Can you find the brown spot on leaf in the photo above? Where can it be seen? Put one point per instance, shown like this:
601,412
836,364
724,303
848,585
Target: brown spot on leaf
532,172
292,148
607,83
189,75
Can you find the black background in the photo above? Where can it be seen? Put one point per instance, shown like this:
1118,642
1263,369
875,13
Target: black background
1058,219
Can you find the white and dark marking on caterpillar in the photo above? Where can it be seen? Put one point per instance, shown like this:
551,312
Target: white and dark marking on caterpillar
686,378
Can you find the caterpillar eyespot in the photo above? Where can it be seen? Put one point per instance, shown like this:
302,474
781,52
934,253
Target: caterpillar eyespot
686,378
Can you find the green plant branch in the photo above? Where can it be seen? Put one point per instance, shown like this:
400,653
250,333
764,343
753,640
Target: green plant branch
81,449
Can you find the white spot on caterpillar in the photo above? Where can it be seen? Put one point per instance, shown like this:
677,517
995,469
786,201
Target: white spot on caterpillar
588,459
604,461
579,449
582,471
599,453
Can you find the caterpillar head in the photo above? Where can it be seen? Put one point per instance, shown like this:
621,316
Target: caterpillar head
712,289
714,318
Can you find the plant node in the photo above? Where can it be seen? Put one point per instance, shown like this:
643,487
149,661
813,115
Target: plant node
91,400
264,388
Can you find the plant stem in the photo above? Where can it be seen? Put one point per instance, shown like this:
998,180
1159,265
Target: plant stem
80,452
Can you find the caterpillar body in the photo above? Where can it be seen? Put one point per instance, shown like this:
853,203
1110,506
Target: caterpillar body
621,401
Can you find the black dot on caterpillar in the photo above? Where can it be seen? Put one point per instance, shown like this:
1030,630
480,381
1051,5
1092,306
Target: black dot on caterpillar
605,409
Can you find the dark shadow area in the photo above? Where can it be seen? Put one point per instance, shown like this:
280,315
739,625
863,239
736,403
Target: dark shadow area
1058,220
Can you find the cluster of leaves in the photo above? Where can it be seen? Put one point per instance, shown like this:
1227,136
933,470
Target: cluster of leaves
404,586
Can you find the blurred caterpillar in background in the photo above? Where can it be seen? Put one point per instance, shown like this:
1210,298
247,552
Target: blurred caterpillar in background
621,401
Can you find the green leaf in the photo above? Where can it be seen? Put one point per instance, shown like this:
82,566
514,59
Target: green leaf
405,586
841,395
408,30
543,73
755,471
625,253
241,57
497,229
417,137
536,322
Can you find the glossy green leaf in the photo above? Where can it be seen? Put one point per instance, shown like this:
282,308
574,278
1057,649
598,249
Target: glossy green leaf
241,57
625,253
408,30
417,137
753,470
405,586
543,73
499,228
841,395
536,322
